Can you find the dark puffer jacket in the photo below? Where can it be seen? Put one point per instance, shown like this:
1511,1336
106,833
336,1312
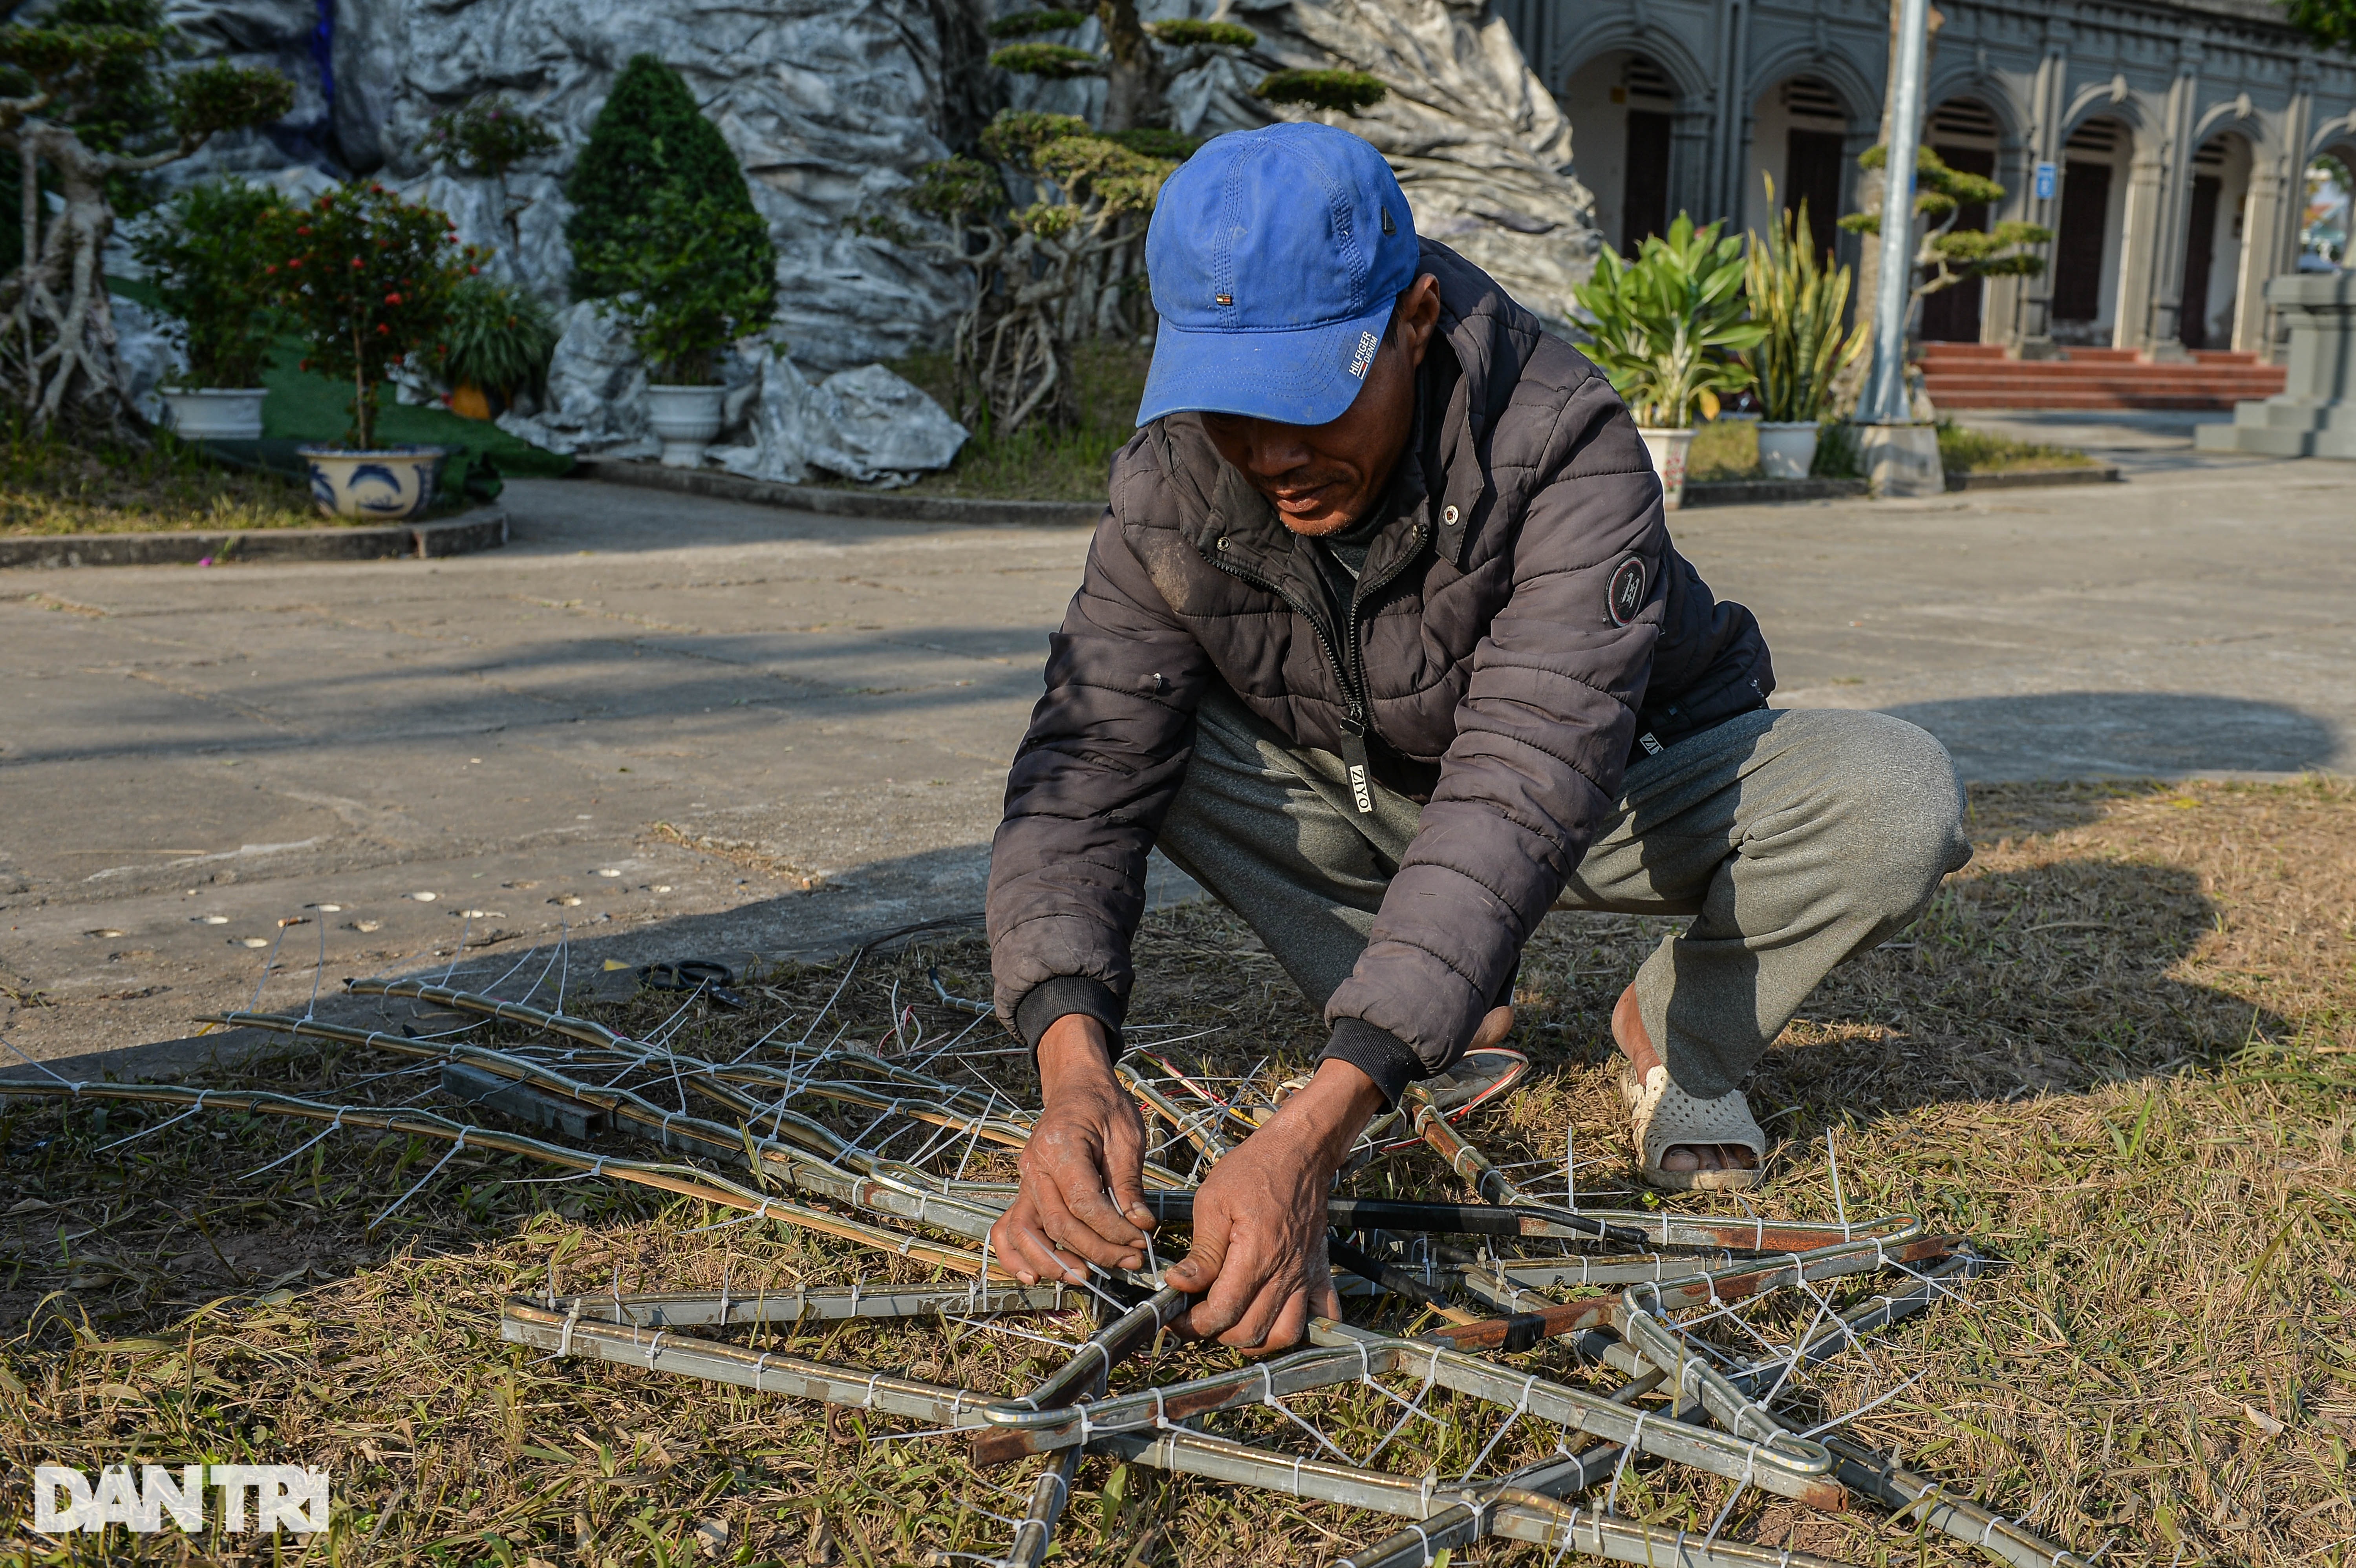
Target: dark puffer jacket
1520,623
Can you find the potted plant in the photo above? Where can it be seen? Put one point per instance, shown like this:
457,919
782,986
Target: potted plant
1794,366
664,233
201,253
1665,328
495,344
367,277
698,273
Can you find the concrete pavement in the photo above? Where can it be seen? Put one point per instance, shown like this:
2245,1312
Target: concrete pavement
666,725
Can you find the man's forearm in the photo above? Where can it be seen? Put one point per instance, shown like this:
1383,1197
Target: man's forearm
1072,1053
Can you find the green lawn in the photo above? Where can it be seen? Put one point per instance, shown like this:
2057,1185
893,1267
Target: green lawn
1966,451
303,406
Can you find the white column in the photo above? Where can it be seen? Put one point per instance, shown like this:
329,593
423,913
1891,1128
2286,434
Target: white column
2139,240
2032,335
2161,338
2261,246
2000,303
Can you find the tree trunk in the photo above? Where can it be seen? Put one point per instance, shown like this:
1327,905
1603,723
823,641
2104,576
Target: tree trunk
1133,85
60,330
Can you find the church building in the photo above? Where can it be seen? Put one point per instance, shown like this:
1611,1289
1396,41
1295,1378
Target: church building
2166,145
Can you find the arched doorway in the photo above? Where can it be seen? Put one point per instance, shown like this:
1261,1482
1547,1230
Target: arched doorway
2214,227
2326,221
1623,109
2085,264
1799,130
1964,132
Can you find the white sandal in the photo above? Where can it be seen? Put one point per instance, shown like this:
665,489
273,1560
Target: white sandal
1667,1116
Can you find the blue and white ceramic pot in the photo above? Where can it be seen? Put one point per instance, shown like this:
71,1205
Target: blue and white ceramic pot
385,483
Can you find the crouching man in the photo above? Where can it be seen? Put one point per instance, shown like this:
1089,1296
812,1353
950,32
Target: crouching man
1384,641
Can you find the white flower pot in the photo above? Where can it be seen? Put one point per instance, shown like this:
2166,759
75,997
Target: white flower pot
1667,448
685,418
215,413
1787,450
388,484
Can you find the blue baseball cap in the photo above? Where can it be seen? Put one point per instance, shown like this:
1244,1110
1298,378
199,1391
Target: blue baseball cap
1276,257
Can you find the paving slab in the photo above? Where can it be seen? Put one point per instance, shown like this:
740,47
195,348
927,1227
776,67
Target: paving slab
656,725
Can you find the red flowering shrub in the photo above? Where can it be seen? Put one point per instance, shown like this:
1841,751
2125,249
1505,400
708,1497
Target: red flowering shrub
367,277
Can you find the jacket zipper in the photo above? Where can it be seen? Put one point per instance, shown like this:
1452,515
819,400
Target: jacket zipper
1357,722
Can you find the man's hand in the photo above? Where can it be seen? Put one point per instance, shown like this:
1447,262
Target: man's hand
1088,1142
1260,1218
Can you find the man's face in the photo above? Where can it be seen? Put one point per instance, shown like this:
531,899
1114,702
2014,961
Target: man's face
1321,478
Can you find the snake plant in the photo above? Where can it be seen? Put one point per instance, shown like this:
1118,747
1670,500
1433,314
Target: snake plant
1667,327
1799,300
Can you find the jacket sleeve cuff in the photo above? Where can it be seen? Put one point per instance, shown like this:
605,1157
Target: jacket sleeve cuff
1061,996
1381,1055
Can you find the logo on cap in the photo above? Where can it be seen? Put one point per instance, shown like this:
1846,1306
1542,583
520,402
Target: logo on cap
1367,344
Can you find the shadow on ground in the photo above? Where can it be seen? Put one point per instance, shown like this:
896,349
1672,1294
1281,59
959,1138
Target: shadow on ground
2127,734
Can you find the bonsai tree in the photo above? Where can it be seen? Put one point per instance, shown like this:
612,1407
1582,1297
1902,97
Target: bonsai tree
693,275
1136,79
1800,303
202,251
367,279
649,138
496,341
1949,255
1033,265
487,137
85,97
1666,327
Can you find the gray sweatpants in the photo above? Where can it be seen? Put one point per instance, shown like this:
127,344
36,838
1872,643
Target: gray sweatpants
1796,838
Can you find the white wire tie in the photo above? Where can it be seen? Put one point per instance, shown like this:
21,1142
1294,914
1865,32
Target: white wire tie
564,1339
1424,1537
869,1402
760,1364
1161,1416
654,1348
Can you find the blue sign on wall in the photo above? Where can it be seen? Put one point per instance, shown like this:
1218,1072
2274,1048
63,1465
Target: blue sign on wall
2045,182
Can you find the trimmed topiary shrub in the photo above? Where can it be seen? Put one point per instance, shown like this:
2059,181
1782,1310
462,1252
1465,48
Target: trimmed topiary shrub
1334,91
649,137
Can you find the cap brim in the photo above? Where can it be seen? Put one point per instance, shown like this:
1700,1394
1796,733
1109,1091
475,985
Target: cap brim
1309,376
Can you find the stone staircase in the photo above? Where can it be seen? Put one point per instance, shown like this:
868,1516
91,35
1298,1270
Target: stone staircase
1978,376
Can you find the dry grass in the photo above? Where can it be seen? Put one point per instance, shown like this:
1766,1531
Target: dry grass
1040,463
2117,1053
48,485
